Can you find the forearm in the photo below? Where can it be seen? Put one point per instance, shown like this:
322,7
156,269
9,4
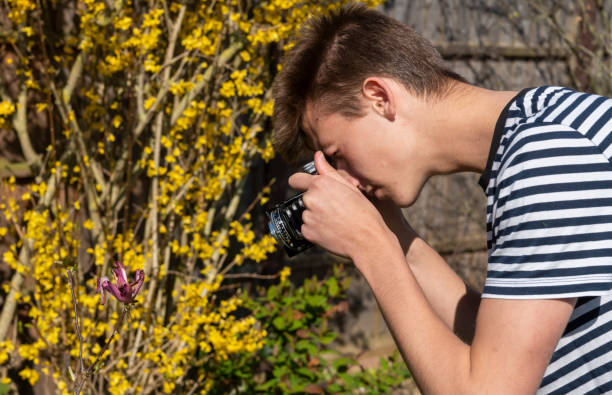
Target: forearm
453,301
426,343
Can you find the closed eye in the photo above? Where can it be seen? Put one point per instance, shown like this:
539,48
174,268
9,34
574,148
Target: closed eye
331,159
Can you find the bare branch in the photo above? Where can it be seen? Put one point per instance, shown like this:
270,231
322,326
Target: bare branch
76,319
20,123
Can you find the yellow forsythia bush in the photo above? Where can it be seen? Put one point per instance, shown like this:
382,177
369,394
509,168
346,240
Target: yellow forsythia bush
133,127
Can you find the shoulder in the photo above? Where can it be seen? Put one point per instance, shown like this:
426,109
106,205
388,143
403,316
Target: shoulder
587,113
539,148
548,151
561,105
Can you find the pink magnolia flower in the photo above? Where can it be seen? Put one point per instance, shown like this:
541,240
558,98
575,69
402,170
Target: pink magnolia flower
123,290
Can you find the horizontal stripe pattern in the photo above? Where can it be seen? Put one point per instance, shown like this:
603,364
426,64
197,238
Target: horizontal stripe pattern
549,224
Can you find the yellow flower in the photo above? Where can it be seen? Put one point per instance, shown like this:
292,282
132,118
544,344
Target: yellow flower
285,273
88,224
152,66
6,347
245,56
117,121
29,374
28,31
6,108
123,23
149,103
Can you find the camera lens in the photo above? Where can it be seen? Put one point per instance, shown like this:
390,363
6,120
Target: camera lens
286,220
285,225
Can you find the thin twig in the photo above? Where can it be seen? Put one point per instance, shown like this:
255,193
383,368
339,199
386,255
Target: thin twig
91,368
252,275
76,320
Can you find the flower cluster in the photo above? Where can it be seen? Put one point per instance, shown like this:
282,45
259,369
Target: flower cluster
153,117
6,109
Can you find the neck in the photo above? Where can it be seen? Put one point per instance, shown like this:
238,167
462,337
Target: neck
465,120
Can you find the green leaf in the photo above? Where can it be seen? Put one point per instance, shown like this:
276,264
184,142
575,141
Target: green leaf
295,325
307,373
306,345
267,385
289,300
328,337
316,300
296,383
280,371
384,363
342,363
350,381
272,293
332,287
279,323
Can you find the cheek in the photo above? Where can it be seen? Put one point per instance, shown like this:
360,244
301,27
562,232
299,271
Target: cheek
356,164
366,154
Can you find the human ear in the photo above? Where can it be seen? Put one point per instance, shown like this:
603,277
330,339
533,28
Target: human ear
377,91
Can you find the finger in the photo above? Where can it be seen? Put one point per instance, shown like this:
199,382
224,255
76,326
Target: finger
300,181
323,167
306,217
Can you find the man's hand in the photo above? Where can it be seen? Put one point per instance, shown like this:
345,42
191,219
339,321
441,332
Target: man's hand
338,217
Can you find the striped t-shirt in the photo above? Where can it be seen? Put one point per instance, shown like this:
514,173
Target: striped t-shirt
548,183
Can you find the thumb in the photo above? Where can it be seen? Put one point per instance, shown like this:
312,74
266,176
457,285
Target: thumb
322,165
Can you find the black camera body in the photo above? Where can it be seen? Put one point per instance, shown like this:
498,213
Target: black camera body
285,221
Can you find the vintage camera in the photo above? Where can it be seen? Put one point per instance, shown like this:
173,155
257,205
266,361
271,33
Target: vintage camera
286,221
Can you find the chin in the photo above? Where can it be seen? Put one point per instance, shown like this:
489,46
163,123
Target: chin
404,200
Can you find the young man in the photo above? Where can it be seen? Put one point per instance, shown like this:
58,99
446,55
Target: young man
370,95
